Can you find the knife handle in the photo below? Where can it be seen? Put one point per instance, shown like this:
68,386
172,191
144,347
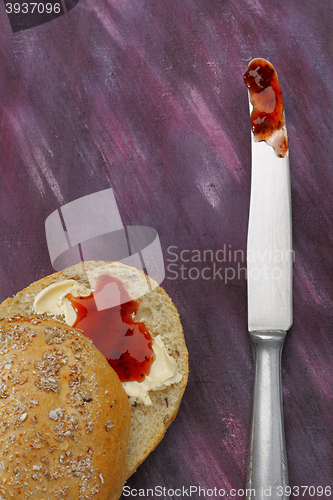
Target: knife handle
267,474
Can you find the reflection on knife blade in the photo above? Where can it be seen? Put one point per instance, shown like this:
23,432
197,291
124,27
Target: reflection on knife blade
267,120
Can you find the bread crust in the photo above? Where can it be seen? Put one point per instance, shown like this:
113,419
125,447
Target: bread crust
64,416
157,311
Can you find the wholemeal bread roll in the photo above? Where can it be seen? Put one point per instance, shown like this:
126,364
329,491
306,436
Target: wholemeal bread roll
156,310
64,416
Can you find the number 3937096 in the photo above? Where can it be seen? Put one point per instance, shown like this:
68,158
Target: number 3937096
33,7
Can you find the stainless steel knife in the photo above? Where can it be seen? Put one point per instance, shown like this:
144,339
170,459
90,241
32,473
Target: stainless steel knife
269,281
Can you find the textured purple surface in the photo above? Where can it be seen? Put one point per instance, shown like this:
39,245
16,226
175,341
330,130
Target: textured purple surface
147,97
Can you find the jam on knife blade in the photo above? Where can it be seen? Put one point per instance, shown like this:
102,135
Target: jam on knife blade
267,120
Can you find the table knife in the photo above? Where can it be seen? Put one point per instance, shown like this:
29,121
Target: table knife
269,285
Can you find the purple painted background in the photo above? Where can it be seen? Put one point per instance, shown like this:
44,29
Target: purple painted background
147,97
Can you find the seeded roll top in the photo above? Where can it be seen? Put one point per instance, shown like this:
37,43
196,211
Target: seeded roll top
64,416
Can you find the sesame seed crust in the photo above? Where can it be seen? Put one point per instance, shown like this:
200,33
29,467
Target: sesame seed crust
64,415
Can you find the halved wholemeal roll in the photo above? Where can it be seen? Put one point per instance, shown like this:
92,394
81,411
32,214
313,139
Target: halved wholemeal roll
64,416
152,412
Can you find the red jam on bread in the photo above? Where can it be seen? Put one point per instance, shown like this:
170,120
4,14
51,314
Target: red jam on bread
126,343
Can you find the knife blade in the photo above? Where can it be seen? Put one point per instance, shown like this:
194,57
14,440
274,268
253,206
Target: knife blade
269,245
269,280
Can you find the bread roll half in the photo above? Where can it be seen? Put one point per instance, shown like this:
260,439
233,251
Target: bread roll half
156,310
64,416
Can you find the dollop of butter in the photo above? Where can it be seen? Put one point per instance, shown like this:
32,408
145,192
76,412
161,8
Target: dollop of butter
163,371
52,300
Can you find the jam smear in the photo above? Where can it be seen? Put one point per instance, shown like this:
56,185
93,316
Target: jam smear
126,343
267,120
